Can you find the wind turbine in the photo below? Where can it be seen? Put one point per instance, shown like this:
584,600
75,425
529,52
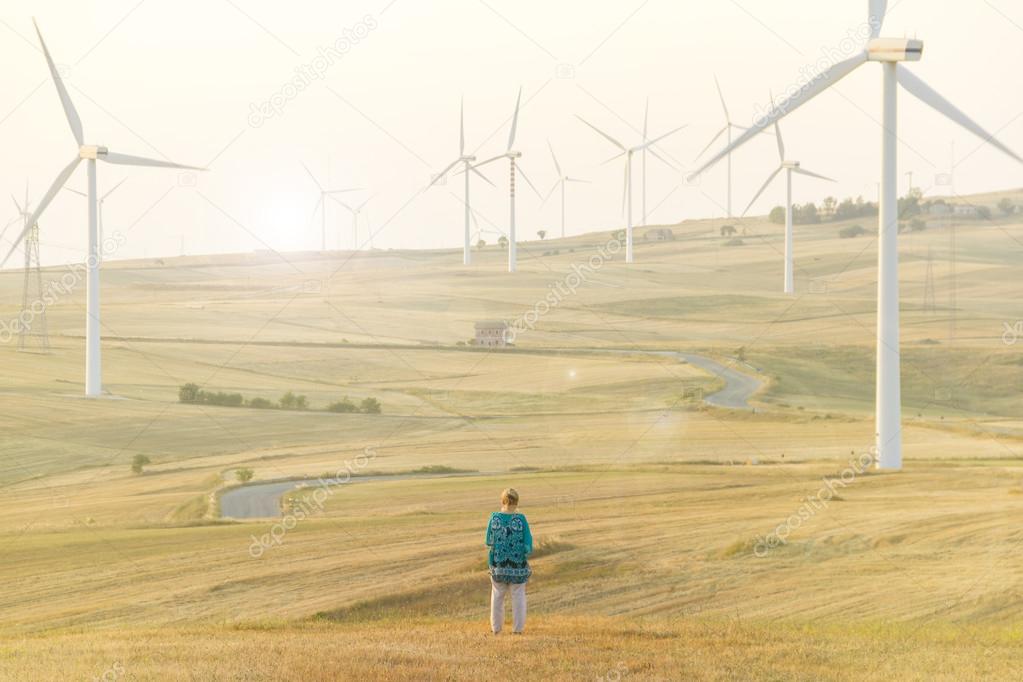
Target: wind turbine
91,154
355,211
729,127
561,181
889,52
99,211
321,205
513,157
34,327
789,167
627,152
466,160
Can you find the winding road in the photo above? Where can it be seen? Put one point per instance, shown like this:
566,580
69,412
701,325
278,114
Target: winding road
263,500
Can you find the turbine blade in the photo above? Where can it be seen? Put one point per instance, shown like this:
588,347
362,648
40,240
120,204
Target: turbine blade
763,189
343,191
662,159
578,180
75,191
625,188
20,211
781,143
528,181
43,203
483,177
878,9
128,160
721,96
711,143
484,163
461,130
8,226
603,134
515,122
613,158
313,177
353,211
658,139
554,156
443,173
109,191
646,119
65,99
931,98
363,204
803,171
816,86
550,194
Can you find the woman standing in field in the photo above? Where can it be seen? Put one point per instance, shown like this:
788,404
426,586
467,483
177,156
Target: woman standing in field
510,544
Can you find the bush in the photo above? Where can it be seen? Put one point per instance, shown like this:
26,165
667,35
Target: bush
188,393
735,242
851,232
343,406
1006,206
370,406
244,475
261,404
917,225
138,462
777,215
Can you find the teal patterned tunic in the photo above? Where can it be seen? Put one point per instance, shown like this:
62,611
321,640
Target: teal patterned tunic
510,542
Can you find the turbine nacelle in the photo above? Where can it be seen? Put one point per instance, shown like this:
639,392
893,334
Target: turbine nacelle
514,155
91,152
790,165
895,50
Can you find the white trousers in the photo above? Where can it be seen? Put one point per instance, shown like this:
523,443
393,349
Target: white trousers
518,600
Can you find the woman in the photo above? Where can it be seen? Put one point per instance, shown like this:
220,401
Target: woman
510,544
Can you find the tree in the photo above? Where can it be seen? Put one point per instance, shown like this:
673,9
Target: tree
1006,206
189,393
287,401
342,406
777,215
261,404
984,213
727,230
503,242
828,207
301,402
806,214
481,244
244,475
370,406
138,462
542,234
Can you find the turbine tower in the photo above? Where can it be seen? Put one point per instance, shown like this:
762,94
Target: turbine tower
627,152
35,326
560,182
99,213
515,169
355,211
889,52
91,154
790,167
466,160
727,130
321,205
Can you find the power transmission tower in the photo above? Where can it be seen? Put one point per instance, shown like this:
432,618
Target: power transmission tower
33,329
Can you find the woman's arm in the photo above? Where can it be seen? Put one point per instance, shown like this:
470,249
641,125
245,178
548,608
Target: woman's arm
527,536
490,533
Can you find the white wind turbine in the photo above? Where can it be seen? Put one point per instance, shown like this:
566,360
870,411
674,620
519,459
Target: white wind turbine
466,160
889,52
729,127
91,154
560,182
355,211
789,167
627,152
321,205
513,157
99,212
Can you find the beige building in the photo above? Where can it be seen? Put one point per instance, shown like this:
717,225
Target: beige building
492,334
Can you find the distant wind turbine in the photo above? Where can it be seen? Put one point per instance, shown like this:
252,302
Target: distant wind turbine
355,211
466,160
321,205
729,127
99,211
91,154
513,157
560,182
627,152
789,167
889,52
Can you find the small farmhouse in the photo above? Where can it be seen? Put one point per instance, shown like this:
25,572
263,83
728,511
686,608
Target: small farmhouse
492,334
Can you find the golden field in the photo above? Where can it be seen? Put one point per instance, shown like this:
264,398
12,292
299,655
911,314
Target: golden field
648,506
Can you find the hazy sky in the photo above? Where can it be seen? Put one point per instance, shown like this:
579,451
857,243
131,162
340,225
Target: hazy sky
181,79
